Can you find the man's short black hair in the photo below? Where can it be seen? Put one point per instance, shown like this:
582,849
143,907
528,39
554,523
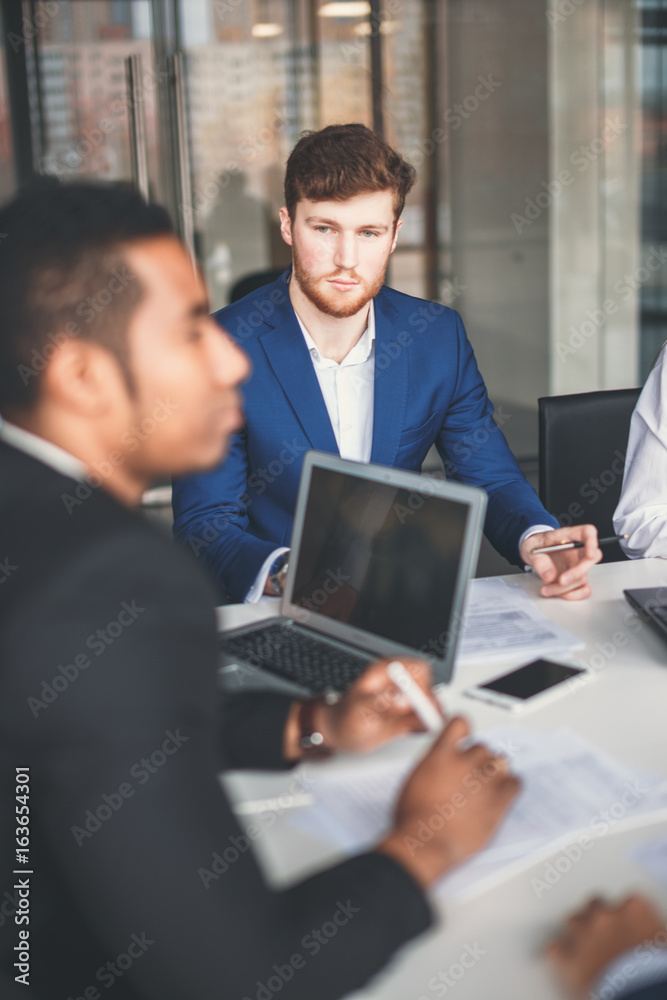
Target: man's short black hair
63,274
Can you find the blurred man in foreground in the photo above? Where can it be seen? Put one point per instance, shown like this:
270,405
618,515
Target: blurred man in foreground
137,876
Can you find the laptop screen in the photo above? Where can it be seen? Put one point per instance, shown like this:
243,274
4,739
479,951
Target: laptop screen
380,558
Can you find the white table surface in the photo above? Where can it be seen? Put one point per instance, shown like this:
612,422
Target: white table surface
623,711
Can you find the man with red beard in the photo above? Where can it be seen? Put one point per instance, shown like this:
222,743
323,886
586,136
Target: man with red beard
346,365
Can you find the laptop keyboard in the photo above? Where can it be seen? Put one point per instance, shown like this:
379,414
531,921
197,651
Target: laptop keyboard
293,654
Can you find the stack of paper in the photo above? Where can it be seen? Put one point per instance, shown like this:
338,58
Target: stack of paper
502,620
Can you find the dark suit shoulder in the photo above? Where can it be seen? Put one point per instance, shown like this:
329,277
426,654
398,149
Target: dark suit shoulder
656,991
407,305
53,527
412,313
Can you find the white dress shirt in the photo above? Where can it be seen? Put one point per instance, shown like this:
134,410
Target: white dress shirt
642,510
347,389
44,451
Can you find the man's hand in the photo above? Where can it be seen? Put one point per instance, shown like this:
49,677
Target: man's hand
597,934
371,712
450,806
564,574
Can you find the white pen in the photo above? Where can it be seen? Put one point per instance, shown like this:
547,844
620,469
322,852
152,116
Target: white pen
424,709
278,805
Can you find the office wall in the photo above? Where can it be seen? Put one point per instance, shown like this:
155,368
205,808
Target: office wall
595,130
499,157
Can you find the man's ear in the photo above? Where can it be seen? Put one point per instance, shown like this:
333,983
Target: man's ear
83,377
286,226
399,223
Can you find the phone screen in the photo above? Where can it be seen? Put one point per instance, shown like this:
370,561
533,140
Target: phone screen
533,678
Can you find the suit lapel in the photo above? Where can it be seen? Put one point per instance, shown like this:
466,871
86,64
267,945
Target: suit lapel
391,383
290,360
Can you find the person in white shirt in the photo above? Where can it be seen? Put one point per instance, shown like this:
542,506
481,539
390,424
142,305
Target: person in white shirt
642,510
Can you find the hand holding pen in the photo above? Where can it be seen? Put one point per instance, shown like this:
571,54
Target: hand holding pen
562,559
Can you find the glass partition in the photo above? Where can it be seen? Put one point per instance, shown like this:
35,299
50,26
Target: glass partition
653,88
490,99
84,98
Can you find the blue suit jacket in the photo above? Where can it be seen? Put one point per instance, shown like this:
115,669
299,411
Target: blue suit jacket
428,389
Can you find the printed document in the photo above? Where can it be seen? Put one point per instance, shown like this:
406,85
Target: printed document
572,793
501,619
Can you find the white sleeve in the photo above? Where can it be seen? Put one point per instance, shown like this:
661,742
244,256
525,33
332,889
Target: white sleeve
642,509
534,530
257,588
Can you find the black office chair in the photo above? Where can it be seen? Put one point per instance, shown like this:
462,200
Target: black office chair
251,282
583,441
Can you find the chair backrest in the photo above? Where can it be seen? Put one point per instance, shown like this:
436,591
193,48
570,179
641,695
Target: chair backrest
251,282
583,441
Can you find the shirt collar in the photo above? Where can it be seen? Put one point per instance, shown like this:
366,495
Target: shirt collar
44,451
361,351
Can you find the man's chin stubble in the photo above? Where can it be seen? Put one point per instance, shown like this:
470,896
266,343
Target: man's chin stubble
339,307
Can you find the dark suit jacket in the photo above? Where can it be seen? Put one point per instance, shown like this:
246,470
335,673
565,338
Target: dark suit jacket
108,694
428,390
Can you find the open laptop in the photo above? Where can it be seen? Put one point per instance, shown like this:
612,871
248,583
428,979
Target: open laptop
650,603
379,566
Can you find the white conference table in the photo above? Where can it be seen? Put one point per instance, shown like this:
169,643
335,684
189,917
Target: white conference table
623,711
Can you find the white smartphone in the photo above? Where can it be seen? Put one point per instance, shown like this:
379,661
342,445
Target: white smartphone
527,685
